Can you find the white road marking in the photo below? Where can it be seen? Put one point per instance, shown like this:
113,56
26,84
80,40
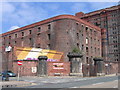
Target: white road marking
44,81
74,87
115,87
98,83
83,79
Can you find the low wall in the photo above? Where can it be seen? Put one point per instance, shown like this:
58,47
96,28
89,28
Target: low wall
58,68
28,68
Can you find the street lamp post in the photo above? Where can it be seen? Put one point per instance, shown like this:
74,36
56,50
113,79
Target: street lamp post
7,50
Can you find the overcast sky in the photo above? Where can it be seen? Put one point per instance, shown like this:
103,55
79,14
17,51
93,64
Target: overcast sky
19,14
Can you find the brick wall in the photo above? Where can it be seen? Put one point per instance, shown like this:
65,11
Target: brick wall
25,68
63,71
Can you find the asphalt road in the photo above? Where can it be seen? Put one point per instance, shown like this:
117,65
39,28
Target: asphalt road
110,84
76,82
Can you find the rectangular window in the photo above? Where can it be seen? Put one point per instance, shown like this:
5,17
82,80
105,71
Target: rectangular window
15,35
30,40
94,41
30,31
95,33
86,28
98,51
82,47
87,60
77,35
95,50
49,27
77,24
38,46
22,38
87,50
78,45
91,40
86,40
49,36
15,42
82,27
48,46
22,33
39,29
91,50
91,31
4,38
9,37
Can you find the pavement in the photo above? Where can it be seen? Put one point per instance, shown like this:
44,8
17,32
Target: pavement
33,80
12,84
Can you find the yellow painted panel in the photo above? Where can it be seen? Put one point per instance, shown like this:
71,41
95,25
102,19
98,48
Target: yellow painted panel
23,54
43,53
33,53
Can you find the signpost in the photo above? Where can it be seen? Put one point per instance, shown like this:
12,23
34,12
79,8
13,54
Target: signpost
19,63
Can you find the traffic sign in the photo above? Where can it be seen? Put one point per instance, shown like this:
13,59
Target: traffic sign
8,48
19,62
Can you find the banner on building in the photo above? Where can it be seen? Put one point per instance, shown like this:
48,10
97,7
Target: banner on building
33,53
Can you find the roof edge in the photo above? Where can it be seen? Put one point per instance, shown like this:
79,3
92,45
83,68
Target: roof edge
52,19
96,11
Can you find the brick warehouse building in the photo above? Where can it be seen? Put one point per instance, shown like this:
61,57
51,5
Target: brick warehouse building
61,33
107,18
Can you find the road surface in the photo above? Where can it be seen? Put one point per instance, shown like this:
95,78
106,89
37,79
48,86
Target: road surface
76,82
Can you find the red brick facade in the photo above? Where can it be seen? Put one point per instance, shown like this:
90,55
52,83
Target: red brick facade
61,33
107,18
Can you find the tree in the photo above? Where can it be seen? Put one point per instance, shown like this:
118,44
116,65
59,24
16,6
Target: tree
76,50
